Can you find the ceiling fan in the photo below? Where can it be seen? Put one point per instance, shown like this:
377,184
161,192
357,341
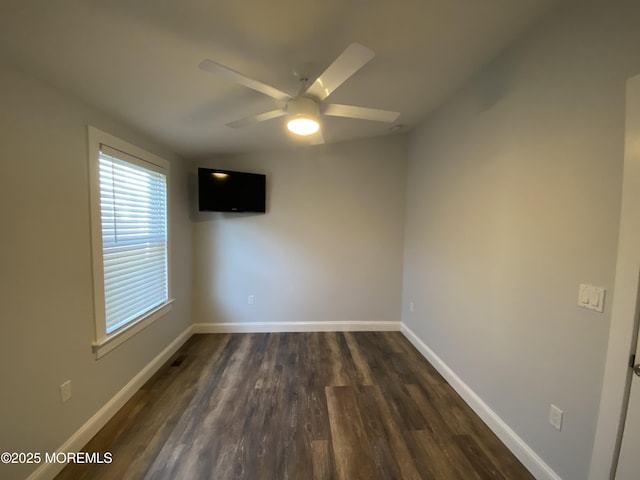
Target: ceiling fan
303,110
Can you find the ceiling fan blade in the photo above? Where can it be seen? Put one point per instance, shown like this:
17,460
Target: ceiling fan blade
348,63
217,69
261,117
364,113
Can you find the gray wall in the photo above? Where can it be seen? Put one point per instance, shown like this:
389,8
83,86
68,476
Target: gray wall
513,200
46,281
329,247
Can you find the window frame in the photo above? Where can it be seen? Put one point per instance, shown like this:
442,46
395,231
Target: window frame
105,342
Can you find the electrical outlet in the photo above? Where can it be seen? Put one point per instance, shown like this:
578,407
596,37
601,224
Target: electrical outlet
65,391
411,307
251,299
555,417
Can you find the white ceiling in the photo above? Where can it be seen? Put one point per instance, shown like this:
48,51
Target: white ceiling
137,60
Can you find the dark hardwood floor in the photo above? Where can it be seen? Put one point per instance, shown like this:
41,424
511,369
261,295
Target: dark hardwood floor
300,406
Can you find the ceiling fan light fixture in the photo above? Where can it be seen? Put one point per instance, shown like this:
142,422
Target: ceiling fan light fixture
302,116
303,126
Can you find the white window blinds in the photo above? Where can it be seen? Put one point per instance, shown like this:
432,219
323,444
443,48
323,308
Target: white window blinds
133,206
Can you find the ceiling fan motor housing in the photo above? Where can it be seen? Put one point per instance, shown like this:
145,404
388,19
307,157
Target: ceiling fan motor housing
303,107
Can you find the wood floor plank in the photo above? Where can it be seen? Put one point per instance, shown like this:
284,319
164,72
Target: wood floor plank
402,407
438,427
482,465
268,363
312,414
279,406
385,464
352,451
394,438
429,457
363,372
396,341
447,460
339,375
508,465
323,467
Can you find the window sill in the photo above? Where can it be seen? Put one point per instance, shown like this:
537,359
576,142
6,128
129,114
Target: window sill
113,340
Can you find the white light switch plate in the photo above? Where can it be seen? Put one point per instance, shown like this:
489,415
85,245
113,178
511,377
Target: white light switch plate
591,297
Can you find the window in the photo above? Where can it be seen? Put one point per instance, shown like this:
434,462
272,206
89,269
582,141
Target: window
129,238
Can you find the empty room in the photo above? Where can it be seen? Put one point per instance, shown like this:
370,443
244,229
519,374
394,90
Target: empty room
340,239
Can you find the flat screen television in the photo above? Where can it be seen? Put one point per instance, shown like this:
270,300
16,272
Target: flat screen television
227,191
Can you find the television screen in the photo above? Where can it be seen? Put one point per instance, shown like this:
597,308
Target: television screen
227,191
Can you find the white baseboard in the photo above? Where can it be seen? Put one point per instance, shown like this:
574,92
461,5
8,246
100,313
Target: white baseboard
86,432
264,327
518,447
